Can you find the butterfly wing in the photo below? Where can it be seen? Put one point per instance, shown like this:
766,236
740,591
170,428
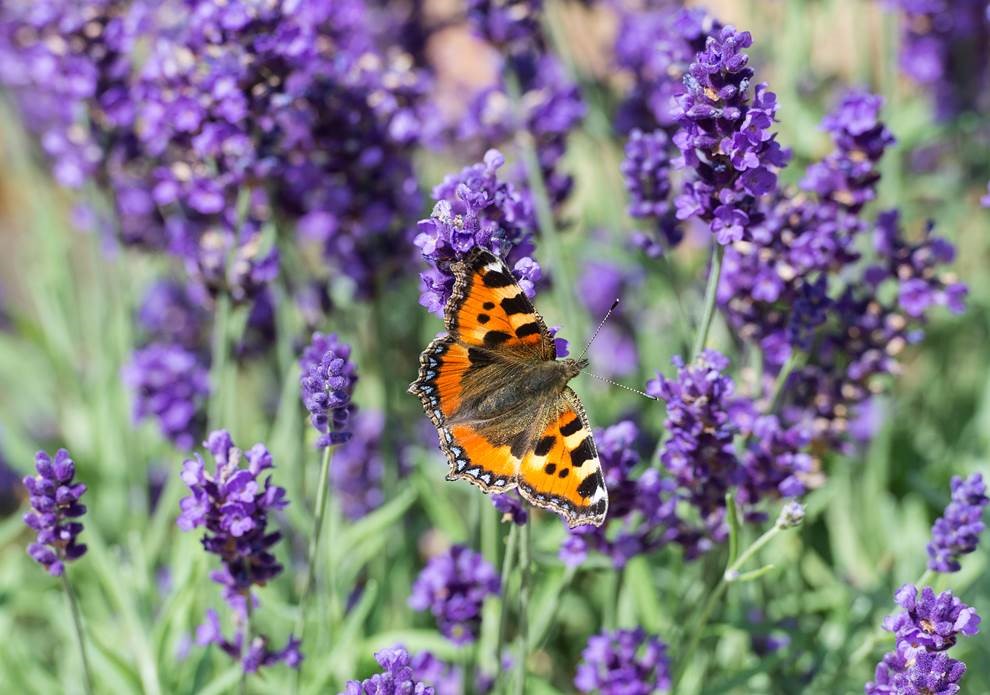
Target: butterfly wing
489,310
467,378
448,368
561,470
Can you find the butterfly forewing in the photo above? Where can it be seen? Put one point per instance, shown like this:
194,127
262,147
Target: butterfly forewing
489,310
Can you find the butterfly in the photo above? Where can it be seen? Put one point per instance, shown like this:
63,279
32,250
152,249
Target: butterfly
498,396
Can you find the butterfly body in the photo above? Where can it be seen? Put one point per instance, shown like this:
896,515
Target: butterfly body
499,397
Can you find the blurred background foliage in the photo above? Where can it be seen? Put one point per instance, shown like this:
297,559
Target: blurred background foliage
68,304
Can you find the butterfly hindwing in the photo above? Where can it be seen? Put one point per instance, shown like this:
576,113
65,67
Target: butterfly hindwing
488,309
561,470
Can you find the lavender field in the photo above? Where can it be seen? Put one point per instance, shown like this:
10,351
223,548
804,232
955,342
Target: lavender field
230,228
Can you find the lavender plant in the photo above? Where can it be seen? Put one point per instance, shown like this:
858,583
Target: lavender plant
254,184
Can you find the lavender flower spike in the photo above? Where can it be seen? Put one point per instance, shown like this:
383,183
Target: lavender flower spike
957,532
397,676
327,382
233,505
930,621
624,662
55,510
453,586
725,137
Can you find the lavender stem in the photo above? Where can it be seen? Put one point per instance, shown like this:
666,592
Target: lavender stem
322,494
524,574
77,625
714,273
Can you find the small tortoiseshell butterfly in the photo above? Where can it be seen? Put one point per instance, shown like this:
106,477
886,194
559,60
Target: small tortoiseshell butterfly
498,396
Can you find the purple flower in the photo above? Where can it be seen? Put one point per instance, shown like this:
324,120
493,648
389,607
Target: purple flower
910,671
233,264
358,467
623,662
915,268
699,451
510,25
327,383
646,170
55,511
397,677
233,505
985,200
774,461
944,50
473,209
656,46
453,586
172,312
511,507
725,139
170,384
928,626
957,531
848,176
929,620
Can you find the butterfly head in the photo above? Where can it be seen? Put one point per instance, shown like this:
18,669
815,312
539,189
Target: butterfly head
572,368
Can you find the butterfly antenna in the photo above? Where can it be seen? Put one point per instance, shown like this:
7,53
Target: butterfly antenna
598,330
621,386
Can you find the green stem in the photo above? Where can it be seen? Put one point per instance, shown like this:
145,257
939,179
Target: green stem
714,273
524,559
322,493
80,641
730,575
549,234
218,365
781,382
507,562
246,643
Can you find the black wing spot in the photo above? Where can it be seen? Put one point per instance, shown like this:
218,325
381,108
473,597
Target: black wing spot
496,278
550,468
563,472
589,485
544,446
495,338
582,453
488,306
571,427
526,329
484,318
517,305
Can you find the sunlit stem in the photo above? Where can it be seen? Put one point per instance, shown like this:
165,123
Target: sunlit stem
322,495
524,577
77,626
728,577
246,641
714,273
508,560
218,364
549,234
780,383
